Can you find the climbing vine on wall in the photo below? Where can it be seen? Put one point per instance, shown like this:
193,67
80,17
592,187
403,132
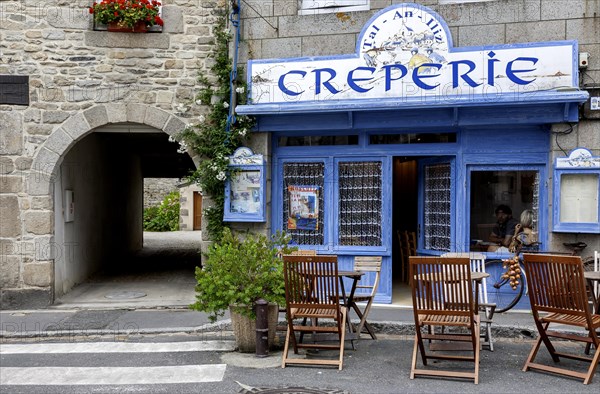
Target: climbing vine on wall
214,138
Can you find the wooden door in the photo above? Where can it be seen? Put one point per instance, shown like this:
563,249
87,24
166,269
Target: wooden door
197,211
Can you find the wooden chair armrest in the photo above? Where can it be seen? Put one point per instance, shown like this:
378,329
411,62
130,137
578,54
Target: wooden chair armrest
488,308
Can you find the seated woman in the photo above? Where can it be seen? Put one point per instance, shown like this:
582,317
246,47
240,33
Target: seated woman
525,239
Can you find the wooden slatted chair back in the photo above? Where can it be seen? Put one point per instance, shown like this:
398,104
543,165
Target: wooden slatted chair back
477,265
311,281
304,252
368,264
442,286
556,284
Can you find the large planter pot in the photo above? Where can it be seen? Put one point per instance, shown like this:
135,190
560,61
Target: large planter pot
244,329
139,27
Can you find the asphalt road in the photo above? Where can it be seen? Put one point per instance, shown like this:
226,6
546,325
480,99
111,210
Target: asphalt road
380,366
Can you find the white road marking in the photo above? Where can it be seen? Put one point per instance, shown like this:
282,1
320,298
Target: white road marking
117,347
47,376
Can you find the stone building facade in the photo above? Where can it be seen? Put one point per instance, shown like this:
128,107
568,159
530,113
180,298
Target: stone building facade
294,52
137,89
96,97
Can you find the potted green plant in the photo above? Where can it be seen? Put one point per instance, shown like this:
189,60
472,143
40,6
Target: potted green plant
127,15
236,273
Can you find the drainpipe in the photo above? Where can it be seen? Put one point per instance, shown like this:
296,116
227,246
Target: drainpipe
234,19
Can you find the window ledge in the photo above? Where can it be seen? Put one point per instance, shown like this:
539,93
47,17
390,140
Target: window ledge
106,39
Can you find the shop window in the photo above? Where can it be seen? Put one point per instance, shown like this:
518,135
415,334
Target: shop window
360,203
310,7
318,140
303,202
576,193
412,138
515,190
437,207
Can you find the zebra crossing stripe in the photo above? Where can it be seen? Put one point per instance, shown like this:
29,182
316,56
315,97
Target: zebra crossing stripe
47,376
117,347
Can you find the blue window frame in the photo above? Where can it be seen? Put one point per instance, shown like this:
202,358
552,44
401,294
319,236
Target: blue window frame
577,193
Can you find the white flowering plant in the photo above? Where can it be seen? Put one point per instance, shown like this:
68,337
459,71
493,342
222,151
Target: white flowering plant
209,137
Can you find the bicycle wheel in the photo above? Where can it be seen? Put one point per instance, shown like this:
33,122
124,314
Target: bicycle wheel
499,290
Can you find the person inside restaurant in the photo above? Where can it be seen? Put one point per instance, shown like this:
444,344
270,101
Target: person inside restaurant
503,231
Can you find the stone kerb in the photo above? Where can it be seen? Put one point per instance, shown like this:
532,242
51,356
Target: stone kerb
50,153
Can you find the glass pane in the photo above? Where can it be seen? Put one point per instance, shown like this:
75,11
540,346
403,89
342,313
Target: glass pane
437,207
301,176
245,192
359,216
318,140
579,198
498,199
412,138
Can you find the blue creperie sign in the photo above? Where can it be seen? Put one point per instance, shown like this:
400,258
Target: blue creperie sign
405,52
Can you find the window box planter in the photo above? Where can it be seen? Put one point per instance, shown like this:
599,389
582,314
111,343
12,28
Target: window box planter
139,27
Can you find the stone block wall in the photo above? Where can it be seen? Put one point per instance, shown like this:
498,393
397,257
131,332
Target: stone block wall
80,79
156,189
273,28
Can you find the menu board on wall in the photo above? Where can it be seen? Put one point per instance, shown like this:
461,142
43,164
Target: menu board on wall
245,191
579,198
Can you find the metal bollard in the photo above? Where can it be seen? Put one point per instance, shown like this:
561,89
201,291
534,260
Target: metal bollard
262,328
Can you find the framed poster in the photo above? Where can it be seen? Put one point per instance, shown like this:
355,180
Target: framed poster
245,188
304,207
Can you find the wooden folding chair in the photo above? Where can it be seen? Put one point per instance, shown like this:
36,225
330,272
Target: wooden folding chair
557,287
488,309
367,288
312,292
299,252
442,294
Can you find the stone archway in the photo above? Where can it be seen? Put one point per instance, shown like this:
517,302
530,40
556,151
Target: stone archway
49,155
45,175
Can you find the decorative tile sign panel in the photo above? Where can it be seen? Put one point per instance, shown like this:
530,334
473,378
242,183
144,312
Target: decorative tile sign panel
405,52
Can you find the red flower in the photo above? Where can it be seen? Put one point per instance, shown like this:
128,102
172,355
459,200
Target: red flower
116,13
91,10
158,20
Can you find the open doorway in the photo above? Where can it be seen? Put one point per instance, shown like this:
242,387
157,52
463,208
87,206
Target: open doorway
405,222
98,197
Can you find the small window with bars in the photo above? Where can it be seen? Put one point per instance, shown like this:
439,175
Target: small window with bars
304,174
437,207
360,203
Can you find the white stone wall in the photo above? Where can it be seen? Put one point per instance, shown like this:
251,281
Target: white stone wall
80,79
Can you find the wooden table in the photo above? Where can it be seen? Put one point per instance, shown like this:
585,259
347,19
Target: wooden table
593,277
349,301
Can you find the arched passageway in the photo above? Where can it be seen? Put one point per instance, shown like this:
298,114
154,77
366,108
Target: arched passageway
96,179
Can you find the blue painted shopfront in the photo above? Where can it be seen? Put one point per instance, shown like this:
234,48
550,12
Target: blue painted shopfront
425,156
